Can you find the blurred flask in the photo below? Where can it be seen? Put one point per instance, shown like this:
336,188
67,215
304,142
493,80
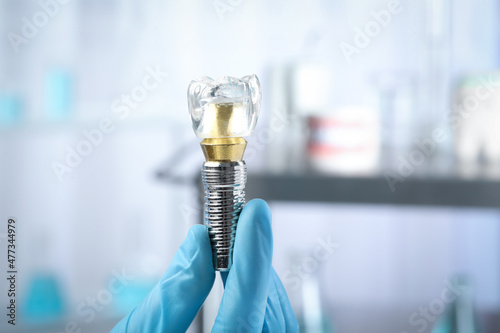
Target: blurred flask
132,295
58,94
141,262
476,119
279,149
304,291
44,301
303,89
10,109
396,103
346,141
313,319
460,317
146,271
311,84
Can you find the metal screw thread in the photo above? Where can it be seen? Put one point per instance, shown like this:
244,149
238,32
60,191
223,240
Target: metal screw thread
224,199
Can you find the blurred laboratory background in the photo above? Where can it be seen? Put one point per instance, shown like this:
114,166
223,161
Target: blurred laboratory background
377,148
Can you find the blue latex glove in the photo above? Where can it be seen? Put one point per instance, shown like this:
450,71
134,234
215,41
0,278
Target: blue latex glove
254,299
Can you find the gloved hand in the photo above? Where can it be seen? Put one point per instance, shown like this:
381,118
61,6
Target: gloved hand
254,299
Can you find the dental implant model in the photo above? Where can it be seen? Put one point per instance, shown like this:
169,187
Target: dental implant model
223,112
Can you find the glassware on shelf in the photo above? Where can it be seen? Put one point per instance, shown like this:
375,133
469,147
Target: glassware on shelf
58,94
476,119
45,300
460,317
10,109
398,123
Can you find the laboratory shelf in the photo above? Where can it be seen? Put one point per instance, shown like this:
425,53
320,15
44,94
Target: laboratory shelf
311,187
375,190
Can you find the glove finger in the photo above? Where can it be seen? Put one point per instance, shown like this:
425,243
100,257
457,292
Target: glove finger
274,320
173,303
291,323
243,304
